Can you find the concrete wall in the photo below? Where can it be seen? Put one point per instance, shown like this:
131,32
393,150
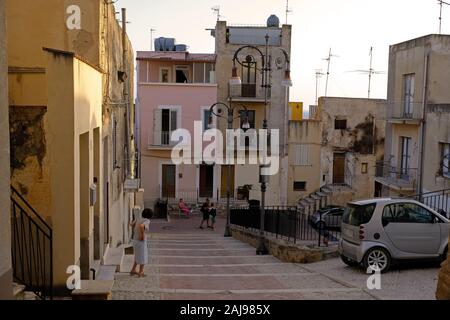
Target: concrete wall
278,111
5,220
362,141
306,132
77,87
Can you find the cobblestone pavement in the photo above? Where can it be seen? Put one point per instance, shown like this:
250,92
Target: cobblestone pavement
189,263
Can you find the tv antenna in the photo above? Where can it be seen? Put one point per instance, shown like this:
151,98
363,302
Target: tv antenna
330,56
216,10
441,4
288,10
151,38
319,75
369,72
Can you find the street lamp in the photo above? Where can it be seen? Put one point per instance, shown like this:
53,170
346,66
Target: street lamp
266,84
229,117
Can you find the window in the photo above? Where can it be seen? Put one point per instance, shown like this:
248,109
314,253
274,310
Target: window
182,74
203,72
164,75
205,118
364,168
299,185
356,215
405,145
406,213
409,82
165,122
251,114
340,124
445,162
249,77
301,155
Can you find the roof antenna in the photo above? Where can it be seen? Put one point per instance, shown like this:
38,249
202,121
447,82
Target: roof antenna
441,3
216,10
369,72
328,69
288,10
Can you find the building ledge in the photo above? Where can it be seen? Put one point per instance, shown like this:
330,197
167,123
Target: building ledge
248,99
396,184
165,84
404,121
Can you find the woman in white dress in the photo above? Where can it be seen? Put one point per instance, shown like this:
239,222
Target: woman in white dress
140,225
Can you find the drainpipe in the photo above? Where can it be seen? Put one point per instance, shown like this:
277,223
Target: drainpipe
125,93
423,126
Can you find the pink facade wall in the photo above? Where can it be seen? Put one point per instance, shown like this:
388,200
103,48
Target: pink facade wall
190,98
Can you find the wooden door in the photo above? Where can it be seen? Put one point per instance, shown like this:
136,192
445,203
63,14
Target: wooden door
168,184
224,181
339,168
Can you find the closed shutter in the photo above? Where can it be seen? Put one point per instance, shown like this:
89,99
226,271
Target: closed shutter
301,155
157,116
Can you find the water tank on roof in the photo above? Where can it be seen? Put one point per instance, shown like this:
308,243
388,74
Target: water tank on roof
273,22
181,47
164,44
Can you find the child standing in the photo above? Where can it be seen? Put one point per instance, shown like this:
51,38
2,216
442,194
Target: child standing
140,224
212,214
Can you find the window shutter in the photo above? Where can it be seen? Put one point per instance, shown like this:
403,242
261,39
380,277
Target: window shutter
173,120
157,117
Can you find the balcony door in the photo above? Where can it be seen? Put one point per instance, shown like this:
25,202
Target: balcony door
409,83
249,77
206,181
168,181
405,155
165,122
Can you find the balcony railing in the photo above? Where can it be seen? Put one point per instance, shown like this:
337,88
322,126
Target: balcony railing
161,139
397,177
403,112
248,90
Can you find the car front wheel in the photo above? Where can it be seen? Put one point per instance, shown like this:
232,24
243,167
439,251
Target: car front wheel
377,259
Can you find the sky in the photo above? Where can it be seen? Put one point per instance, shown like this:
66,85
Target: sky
348,27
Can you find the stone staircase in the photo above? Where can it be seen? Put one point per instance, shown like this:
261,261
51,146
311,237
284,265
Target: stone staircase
327,195
20,293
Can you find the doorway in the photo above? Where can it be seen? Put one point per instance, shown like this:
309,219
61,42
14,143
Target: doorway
224,181
338,168
168,181
84,205
206,181
105,192
97,229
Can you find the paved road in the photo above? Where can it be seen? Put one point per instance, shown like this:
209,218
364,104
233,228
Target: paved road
189,263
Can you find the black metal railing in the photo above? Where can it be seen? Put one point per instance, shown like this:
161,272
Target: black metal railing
31,248
290,224
437,200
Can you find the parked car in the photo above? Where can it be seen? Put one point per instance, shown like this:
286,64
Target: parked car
327,217
377,232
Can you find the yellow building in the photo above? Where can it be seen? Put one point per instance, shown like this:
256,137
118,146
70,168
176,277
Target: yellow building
71,108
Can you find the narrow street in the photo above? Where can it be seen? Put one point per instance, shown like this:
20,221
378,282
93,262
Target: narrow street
189,263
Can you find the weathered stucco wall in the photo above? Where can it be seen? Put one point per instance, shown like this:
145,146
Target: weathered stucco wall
362,141
5,226
309,133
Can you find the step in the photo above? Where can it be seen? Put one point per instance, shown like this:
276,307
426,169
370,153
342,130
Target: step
106,273
315,196
94,290
114,257
322,194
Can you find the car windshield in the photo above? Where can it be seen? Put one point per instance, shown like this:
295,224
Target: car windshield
356,215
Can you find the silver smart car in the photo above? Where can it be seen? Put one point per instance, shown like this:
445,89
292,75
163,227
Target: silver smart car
379,231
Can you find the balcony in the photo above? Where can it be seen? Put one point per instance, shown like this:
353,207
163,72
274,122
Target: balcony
160,139
248,92
400,179
400,113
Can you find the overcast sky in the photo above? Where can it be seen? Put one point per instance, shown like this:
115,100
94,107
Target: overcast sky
349,27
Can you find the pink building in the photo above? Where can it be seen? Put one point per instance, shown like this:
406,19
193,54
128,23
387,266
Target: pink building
174,90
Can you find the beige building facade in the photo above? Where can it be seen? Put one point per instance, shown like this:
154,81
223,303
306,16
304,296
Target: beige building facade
6,290
72,124
250,93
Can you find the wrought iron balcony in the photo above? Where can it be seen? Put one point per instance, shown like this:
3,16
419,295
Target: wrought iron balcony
396,177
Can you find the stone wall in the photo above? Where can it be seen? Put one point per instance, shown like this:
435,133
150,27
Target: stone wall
283,250
443,289
5,228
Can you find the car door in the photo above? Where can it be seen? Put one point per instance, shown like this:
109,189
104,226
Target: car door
411,228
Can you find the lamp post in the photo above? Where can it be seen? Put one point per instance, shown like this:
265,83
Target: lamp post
266,71
217,111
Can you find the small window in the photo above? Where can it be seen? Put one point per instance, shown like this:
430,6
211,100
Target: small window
251,114
164,75
445,159
340,124
406,213
357,215
206,115
364,168
300,186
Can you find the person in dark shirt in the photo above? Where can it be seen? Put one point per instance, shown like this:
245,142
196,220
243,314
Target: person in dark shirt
205,211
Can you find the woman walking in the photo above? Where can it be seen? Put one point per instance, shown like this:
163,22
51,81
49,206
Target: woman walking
140,225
